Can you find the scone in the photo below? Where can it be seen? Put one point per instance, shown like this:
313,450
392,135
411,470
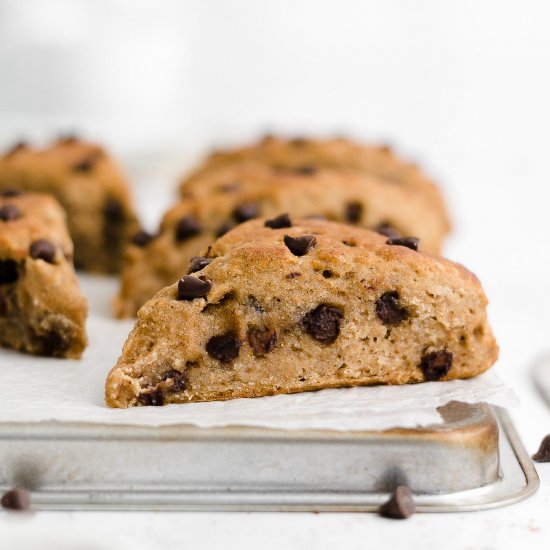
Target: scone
305,306
337,153
91,188
41,308
238,193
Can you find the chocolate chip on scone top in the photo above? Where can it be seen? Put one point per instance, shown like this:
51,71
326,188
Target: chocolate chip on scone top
260,320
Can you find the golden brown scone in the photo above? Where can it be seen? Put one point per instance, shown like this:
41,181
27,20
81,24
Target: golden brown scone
91,188
239,192
337,153
41,308
311,306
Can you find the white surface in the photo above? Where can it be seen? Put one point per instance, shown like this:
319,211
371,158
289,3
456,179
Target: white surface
464,85
43,389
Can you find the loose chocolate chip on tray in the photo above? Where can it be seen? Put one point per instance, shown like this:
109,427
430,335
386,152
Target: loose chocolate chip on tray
354,211
388,309
197,263
10,193
224,347
437,364
16,499
142,238
323,323
9,212
246,212
187,227
543,454
388,230
190,287
299,246
279,222
9,272
262,340
42,249
409,242
400,505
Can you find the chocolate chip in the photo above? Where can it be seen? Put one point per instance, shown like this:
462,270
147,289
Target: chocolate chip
437,364
388,230
354,211
19,146
197,263
112,210
223,229
42,249
543,454
293,275
53,343
246,212
388,309
9,212
177,378
262,340
152,399
224,347
400,505
327,273
279,222
16,499
255,303
409,242
299,246
187,227
306,170
190,287
9,272
85,165
11,193
142,238
323,323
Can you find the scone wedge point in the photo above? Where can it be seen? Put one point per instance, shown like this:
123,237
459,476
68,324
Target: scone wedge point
308,306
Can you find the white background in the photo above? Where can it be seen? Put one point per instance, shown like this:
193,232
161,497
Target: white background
463,87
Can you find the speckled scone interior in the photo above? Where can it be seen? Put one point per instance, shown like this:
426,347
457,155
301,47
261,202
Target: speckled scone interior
305,306
238,192
91,189
41,308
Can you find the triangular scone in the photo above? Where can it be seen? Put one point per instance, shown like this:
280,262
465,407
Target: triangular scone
90,187
41,308
337,153
237,193
316,305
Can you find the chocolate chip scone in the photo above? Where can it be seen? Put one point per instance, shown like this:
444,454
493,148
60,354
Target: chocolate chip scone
91,188
41,308
238,193
289,306
337,153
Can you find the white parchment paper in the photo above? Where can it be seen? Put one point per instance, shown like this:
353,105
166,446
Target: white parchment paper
41,389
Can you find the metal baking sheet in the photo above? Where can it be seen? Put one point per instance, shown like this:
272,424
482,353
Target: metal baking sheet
473,461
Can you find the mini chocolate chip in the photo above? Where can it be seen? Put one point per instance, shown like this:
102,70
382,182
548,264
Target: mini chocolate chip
437,364
262,340
354,211
323,323
306,170
388,230
42,249
224,347
279,222
190,287
409,242
543,454
246,212
327,273
187,227
85,165
178,379
16,499
112,210
293,275
197,263
19,146
388,309
142,238
400,505
153,399
11,193
223,229
53,343
9,212
9,272
300,246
